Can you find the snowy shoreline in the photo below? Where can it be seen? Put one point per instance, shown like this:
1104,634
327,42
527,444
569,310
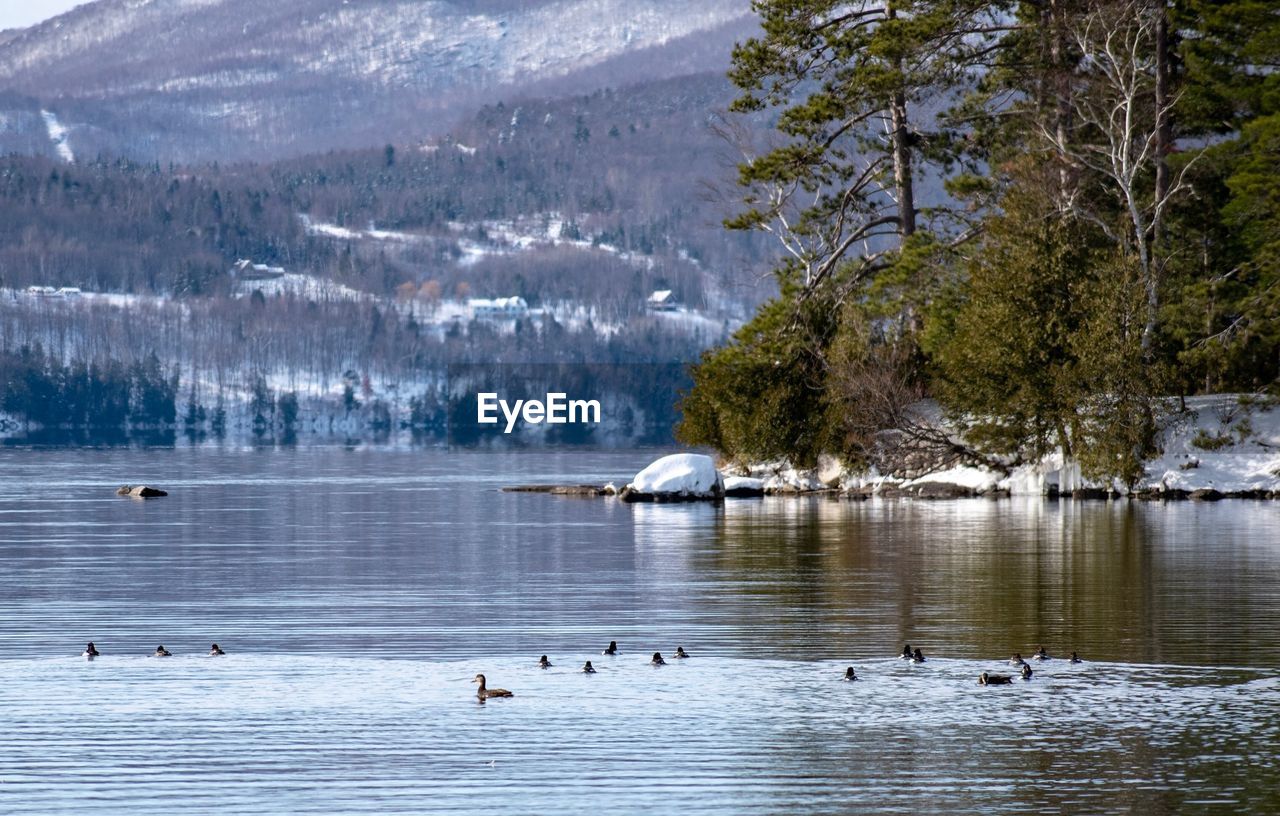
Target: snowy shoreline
1220,446
1214,447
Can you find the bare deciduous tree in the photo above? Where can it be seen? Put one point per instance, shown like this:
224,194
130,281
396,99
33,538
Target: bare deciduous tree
1121,110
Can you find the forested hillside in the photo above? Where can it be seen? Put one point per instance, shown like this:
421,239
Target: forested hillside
237,80
626,171
581,206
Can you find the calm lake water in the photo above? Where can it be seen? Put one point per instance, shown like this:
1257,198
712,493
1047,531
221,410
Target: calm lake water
358,592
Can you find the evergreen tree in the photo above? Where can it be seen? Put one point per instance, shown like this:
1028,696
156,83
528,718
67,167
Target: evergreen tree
857,88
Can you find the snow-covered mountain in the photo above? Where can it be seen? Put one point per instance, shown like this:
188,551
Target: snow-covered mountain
227,79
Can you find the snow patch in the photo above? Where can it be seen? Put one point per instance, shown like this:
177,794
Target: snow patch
58,133
979,480
303,286
345,234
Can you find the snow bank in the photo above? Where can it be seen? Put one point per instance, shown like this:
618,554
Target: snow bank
979,480
681,475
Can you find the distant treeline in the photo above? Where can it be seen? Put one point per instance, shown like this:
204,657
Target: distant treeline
45,401
110,399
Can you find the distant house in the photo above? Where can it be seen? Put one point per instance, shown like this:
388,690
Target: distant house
508,308
662,300
246,270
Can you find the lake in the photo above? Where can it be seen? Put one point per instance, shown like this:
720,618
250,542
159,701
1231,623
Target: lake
358,592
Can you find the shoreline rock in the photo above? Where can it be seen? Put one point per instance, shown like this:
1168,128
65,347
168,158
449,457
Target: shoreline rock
680,477
558,490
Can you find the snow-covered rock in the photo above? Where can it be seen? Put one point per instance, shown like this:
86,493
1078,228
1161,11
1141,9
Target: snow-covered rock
743,486
681,476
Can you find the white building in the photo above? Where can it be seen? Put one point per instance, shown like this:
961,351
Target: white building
662,300
508,308
246,270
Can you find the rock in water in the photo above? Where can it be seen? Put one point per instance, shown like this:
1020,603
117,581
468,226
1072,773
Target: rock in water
741,487
679,477
141,491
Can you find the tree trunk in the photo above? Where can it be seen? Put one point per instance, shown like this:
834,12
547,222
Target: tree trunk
1061,96
902,182
902,167
1164,140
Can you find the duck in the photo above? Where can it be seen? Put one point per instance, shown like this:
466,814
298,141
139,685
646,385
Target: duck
918,656
1075,658
985,679
90,651
1041,654
657,659
587,668
1026,671
543,663
849,675
906,651
485,693
612,648
215,650
161,651
681,653
1017,660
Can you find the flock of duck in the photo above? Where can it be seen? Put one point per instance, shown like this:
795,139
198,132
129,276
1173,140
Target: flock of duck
91,651
986,678
914,655
484,692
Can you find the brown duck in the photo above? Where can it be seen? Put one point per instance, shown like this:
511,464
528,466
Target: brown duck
485,693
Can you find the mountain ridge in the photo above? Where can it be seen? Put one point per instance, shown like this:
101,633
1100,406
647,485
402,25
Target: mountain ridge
201,80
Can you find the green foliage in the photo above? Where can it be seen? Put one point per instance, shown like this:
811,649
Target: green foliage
1043,350
763,395
1208,441
1224,44
1007,366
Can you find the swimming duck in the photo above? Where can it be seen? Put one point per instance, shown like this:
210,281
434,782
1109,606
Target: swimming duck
906,651
485,693
1041,654
680,652
985,679
543,663
613,648
161,651
1026,671
90,651
1017,660
1075,658
215,650
657,659
849,675
918,656
587,668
